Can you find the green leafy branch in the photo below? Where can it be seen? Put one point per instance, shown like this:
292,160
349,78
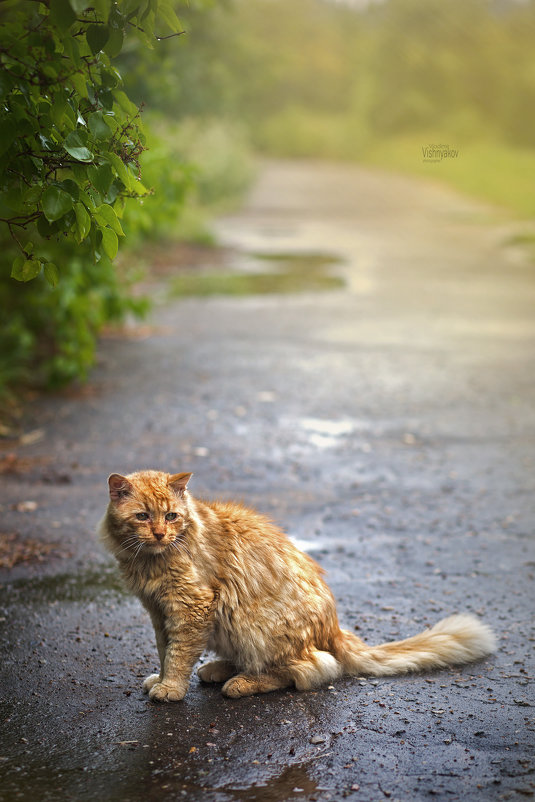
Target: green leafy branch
70,138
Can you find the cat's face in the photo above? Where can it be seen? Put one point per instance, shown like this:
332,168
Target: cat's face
149,510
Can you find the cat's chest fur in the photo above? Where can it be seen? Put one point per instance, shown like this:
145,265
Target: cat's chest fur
156,583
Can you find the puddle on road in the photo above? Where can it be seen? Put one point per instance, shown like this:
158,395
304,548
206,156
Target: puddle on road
264,274
292,783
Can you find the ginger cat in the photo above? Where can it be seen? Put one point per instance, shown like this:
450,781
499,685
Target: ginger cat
219,576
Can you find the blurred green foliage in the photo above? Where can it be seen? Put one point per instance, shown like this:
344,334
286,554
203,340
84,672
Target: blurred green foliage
462,67
47,336
370,81
196,166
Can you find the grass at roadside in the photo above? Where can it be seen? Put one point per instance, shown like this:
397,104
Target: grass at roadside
493,172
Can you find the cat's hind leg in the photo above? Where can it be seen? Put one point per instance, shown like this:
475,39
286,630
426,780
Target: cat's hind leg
315,669
216,671
248,684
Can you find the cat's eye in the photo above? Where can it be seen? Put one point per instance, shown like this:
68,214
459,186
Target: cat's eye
171,516
142,516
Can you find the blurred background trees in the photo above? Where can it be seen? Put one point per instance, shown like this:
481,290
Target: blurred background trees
375,82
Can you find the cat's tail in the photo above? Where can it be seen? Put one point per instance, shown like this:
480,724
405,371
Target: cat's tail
453,641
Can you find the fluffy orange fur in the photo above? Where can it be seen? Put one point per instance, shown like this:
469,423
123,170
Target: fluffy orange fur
219,576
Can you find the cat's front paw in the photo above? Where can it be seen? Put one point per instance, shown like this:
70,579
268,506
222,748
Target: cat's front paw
149,682
164,692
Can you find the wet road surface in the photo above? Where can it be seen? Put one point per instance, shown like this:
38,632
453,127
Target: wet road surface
388,424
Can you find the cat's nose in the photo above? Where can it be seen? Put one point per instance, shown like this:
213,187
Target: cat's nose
159,535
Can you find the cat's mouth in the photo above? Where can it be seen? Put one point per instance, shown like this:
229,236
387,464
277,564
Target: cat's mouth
158,545
154,546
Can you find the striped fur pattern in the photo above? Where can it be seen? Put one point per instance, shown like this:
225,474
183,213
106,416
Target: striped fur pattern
219,576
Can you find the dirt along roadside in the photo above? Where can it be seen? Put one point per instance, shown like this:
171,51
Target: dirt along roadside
367,380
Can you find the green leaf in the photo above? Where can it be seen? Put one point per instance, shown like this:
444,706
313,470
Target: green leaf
79,83
139,188
102,8
32,196
148,8
13,198
79,172
95,196
72,50
8,133
71,187
6,84
55,203
121,169
50,71
17,265
83,221
166,12
75,147
111,195
59,107
106,98
110,78
125,103
71,114
110,243
61,14
130,7
148,26
105,215
26,269
116,18
87,200
114,45
119,206
45,228
98,126
113,124
97,36
79,6
51,274
101,177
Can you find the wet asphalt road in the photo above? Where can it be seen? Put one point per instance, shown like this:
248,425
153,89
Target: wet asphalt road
388,426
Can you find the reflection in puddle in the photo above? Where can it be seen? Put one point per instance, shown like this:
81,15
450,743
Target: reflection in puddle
307,545
328,427
325,433
293,783
263,274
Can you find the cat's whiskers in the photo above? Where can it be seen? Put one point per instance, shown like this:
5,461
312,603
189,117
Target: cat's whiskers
182,549
136,552
128,544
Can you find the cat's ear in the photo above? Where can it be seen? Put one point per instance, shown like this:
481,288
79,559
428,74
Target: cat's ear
119,486
179,482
